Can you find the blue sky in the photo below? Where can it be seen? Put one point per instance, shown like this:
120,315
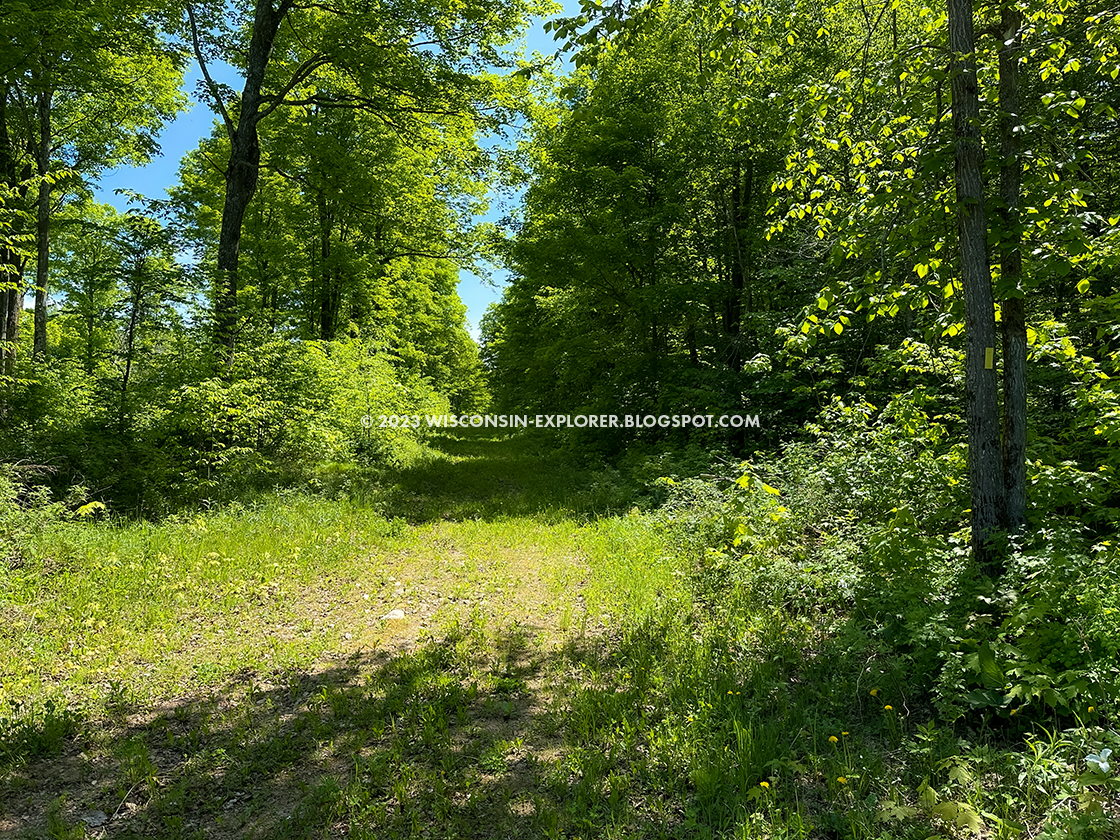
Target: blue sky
192,125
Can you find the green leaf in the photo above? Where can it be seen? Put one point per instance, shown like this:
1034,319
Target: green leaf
992,676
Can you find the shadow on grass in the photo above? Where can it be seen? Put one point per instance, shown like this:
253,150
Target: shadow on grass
460,738
482,734
673,728
490,474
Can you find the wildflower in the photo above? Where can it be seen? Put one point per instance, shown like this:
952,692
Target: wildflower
1092,709
841,780
1099,761
764,785
843,733
889,708
874,692
832,739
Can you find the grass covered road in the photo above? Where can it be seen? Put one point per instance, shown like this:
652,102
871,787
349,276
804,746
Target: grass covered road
219,669
566,667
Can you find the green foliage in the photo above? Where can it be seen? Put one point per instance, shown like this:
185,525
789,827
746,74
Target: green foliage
750,693
642,277
28,733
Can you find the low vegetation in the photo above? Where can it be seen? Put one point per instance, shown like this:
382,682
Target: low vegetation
582,654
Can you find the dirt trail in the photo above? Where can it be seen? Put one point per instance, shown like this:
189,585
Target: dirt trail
439,667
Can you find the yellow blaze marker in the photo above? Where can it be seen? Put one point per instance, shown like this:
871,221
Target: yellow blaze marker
989,358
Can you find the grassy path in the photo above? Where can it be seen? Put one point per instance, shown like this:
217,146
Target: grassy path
235,674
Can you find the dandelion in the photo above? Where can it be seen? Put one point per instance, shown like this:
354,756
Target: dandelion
874,692
843,733
889,708
765,785
1092,709
842,780
832,739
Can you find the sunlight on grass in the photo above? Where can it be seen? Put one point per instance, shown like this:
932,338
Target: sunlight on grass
567,665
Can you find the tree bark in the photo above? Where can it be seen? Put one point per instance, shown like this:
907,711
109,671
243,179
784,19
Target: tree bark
734,302
1014,323
136,298
326,280
43,220
11,265
981,386
243,171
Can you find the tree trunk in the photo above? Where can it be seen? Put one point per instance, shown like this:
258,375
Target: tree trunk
326,283
243,171
734,304
11,264
981,386
1014,322
130,339
43,221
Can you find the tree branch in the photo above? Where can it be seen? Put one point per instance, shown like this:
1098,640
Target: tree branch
302,72
230,128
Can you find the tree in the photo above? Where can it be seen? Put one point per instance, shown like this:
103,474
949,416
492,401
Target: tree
643,275
353,233
402,63
14,242
85,86
872,173
1014,322
87,271
985,468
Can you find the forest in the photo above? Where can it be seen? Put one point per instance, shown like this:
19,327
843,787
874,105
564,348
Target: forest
254,584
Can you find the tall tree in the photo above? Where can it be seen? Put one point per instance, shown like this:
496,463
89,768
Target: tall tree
91,84
877,173
1013,325
985,467
14,253
402,62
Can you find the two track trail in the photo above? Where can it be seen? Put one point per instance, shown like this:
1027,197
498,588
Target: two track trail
427,669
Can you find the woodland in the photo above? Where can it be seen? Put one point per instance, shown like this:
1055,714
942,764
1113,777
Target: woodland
234,604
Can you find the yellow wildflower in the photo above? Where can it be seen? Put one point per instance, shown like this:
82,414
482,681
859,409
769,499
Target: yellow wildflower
841,780
874,692
832,739
764,785
889,708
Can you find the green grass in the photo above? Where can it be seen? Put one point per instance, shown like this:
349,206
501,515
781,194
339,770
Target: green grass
568,667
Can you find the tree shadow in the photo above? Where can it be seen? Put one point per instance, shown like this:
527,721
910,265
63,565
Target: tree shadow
667,729
459,738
